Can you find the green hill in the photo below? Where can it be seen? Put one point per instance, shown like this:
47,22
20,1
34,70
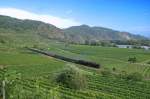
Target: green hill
16,31
84,33
27,31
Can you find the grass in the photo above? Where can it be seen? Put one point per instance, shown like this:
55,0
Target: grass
19,58
108,57
32,65
28,63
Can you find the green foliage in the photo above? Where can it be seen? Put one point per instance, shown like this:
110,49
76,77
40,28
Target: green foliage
134,77
35,46
130,77
108,57
136,43
132,59
72,78
106,72
34,91
32,65
114,69
148,62
119,87
137,47
2,41
29,33
100,43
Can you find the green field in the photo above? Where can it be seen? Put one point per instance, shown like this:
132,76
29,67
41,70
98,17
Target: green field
28,63
37,72
108,57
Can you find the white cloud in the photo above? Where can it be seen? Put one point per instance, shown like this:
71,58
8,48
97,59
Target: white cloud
22,14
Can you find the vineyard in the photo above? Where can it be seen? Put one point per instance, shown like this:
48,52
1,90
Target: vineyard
107,57
99,87
56,49
31,75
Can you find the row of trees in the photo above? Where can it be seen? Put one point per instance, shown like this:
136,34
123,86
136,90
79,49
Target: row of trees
100,43
113,43
132,59
132,42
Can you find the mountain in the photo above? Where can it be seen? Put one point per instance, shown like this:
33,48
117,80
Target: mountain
27,31
84,32
16,31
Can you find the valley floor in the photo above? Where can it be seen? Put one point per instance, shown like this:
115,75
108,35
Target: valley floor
37,72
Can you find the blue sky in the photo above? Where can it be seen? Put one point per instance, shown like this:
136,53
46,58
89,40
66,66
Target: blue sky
124,15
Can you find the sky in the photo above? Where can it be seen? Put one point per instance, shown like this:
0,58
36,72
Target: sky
124,15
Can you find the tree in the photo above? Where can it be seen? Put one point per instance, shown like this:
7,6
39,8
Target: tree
72,78
87,42
132,59
2,41
93,43
114,69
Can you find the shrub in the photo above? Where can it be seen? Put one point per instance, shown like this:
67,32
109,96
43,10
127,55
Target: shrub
2,41
134,77
72,78
132,59
106,72
35,46
114,69
148,62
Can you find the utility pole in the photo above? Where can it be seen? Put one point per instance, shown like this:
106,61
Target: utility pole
3,89
7,78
